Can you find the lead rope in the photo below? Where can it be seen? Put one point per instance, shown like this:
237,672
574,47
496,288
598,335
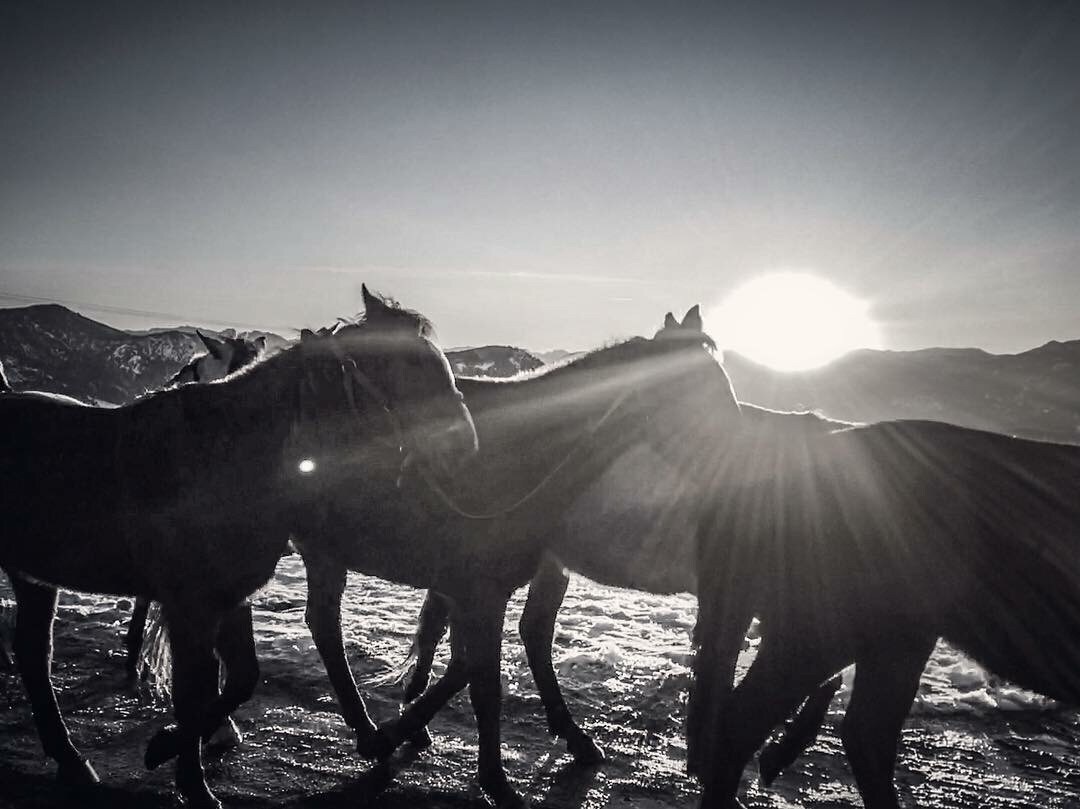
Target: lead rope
452,504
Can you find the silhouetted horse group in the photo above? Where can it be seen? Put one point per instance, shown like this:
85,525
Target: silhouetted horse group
851,544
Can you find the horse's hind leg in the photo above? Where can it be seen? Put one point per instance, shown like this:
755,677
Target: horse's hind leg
431,625
784,671
133,640
236,646
537,629
195,675
36,608
799,733
416,716
886,681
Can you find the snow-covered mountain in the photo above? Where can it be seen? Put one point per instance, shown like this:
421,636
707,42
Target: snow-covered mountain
49,347
500,361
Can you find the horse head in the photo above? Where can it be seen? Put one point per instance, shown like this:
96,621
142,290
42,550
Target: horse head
387,358
223,357
679,396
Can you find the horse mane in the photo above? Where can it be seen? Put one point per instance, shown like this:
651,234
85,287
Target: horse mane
402,316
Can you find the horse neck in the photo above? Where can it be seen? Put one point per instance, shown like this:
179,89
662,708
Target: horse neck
255,410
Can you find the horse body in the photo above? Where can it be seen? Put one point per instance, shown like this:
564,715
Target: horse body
186,495
542,441
864,547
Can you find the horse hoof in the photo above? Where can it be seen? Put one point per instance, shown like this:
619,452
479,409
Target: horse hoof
378,746
161,748
78,773
503,795
585,751
226,737
421,740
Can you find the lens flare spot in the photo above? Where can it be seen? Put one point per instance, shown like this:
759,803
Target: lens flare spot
306,466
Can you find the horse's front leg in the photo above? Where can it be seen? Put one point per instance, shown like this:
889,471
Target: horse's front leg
36,608
195,674
326,584
537,630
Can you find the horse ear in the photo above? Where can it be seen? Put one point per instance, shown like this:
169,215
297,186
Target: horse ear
216,348
306,334
670,322
259,343
692,319
373,304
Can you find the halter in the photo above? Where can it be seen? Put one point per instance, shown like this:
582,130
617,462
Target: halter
586,434
352,373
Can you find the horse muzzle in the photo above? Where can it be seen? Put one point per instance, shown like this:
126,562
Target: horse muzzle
446,444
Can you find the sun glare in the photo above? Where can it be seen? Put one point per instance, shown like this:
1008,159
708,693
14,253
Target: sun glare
792,321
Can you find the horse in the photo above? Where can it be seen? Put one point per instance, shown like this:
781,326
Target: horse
222,358
187,495
543,438
866,546
633,528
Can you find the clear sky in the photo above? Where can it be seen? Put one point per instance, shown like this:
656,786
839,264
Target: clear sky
549,176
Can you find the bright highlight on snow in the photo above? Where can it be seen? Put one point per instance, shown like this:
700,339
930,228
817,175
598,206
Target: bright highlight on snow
306,466
792,321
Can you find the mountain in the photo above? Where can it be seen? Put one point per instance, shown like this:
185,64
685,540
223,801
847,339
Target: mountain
49,347
500,361
1035,393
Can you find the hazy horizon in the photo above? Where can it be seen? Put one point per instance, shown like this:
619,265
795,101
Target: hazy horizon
550,177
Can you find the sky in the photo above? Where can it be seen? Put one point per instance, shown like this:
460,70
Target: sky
545,175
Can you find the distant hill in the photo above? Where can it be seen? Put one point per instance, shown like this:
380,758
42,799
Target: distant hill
49,347
500,361
1035,393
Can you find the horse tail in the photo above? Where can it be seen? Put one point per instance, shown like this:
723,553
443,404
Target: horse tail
7,630
395,675
155,657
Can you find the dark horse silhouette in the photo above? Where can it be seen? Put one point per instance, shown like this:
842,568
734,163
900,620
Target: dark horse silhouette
626,531
865,546
222,358
188,496
543,439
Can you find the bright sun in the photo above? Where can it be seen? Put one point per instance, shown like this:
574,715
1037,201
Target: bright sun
792,321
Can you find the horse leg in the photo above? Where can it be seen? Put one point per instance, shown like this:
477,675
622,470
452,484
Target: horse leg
719,635
886,681
416,716
36,608
482,624
799,733
537,630
236,647
133,640
326,584
195,676
431,626
784,671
